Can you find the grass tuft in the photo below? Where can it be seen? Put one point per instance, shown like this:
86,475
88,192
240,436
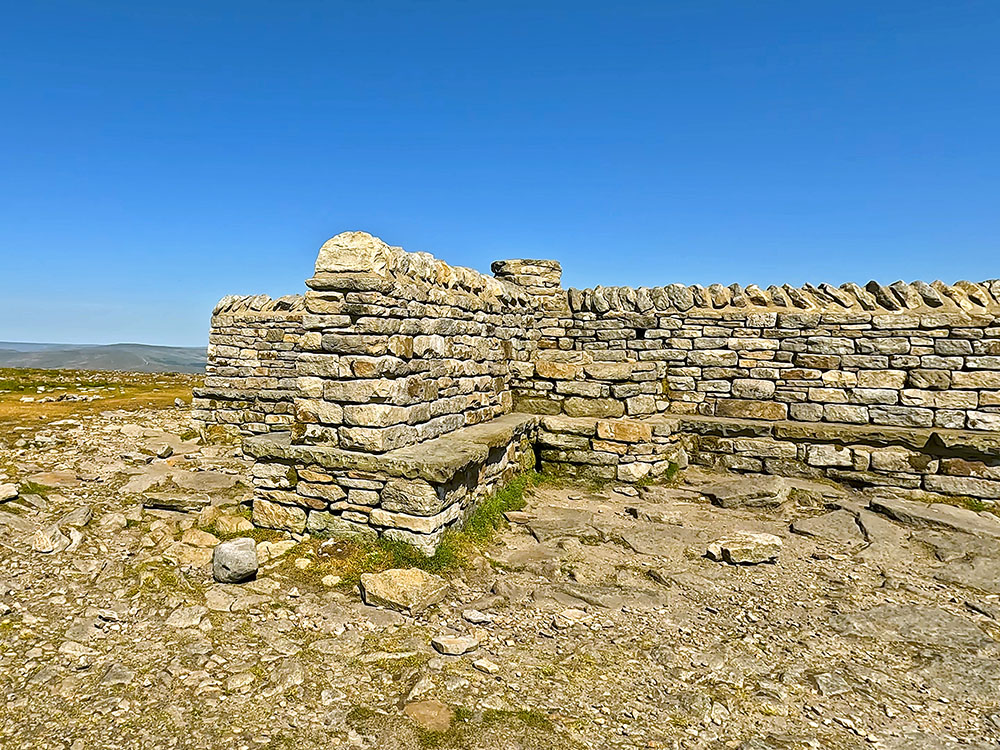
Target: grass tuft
351,556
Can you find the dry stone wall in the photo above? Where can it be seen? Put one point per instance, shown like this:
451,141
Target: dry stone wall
401,348
908,355
398,390
251,380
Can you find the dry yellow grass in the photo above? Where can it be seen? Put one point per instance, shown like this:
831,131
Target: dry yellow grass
117,390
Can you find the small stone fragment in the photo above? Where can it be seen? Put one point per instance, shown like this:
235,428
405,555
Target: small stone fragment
476,617
568,618
186,617
49,539
745,549
487,666
454,645
199,538
77,517
8,492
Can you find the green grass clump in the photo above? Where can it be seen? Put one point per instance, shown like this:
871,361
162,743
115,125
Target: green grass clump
488,516
352,556
33,488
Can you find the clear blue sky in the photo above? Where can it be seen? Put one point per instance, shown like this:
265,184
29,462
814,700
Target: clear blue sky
156,156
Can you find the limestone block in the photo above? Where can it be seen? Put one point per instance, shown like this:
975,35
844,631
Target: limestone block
846,413
270,515
633,472
901,416
976,380
593,407
931,379
982,488
753,389
626,431
416,524
749,409
353,252
980,420
890,379
828,455
415,497
318,411
274,475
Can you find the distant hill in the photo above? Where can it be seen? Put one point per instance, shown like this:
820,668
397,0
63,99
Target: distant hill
130,357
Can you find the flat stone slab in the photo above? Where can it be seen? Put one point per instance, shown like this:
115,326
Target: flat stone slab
937,515
436,461
745,549
912,623
840,526
752,491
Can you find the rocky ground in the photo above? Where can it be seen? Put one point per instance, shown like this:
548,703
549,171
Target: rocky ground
716,612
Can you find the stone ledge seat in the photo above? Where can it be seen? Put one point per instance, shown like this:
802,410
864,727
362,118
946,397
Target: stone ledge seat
932,439
947,462
436,461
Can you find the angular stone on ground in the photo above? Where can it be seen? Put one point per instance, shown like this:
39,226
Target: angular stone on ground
49,539
199,538
748,492
235,561
232,525
454,645
745,549
407,590
8,492
186,617
77,517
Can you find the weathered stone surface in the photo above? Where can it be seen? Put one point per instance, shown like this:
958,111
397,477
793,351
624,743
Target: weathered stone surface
937,515
276,516
839,526
912,623
352,252
430,715
407,590
749,491
8,492
235,561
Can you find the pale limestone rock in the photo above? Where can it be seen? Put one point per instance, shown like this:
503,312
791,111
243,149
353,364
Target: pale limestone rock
235,561
270,515
407,590
745,549
454,645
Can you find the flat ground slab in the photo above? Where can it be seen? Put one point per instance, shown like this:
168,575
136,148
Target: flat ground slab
595,620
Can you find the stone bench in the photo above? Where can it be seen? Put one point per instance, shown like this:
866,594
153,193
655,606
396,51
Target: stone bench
410,494
414,493
963,463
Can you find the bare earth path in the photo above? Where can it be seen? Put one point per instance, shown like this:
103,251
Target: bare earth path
599,620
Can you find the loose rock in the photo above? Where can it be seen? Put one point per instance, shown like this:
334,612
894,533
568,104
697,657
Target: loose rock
235,561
